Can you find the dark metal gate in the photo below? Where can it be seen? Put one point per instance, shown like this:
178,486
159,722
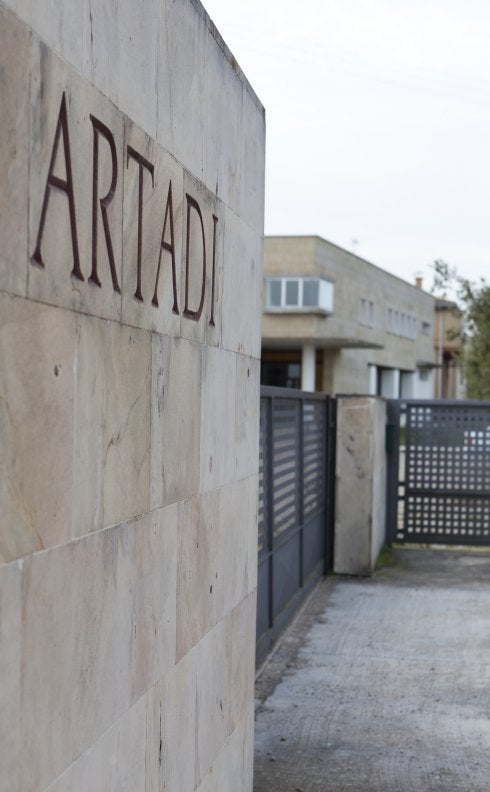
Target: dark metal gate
438,472
297,446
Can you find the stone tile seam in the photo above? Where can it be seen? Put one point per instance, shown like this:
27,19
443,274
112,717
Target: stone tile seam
227,615
99,738
224,747
120,525
259,232
77,312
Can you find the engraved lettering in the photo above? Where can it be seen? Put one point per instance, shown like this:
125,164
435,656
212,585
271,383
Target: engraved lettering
195,315
101,129
215,223
103,169
170,248
142,163
64,185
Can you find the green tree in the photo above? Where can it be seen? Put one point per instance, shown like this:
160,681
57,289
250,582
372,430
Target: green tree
474,300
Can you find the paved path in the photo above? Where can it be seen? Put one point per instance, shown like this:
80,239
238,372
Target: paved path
383,684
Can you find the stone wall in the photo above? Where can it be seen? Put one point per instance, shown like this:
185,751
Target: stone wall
360,495
131,223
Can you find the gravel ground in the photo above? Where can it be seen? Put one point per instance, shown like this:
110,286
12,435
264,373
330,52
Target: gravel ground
383,684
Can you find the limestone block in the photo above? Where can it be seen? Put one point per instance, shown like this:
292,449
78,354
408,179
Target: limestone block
121,46
159,373
112,424
246,741
241,273
238,528
251,205
116,763
361,462
10,654
217,558
147,575
218,383
176,419
235,551
75,675
37,354
233,767
178,725
213,709
247,416
202,262
241,652
153,229
15,44
198,570
224,88
154,741
181,83
110,635
353,515
58,23
225,688
257,300
194,57
75,243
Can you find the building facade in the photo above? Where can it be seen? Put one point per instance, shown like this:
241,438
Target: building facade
337,323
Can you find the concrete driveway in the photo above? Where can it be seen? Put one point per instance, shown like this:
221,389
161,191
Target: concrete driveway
383,684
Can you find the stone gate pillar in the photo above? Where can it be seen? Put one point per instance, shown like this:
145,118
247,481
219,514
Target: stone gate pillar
131,226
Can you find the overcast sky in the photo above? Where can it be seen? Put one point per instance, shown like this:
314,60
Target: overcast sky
378,123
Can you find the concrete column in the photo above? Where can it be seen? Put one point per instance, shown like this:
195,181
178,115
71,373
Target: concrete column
407,389
390,383
308,358
373,379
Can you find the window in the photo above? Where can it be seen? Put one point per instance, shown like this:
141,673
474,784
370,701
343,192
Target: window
426,328
292,293
310,293
275,293
299,294
281,374
366,312
401,324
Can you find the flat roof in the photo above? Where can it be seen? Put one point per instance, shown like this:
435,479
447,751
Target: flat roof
352,255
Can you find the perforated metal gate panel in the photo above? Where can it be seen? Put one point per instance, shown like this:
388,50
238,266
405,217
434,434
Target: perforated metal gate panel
445,473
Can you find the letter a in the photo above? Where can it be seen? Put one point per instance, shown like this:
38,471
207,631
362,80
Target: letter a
66,186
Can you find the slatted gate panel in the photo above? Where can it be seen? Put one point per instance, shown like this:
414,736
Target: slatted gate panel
314,432
445,473
286,417
292,514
